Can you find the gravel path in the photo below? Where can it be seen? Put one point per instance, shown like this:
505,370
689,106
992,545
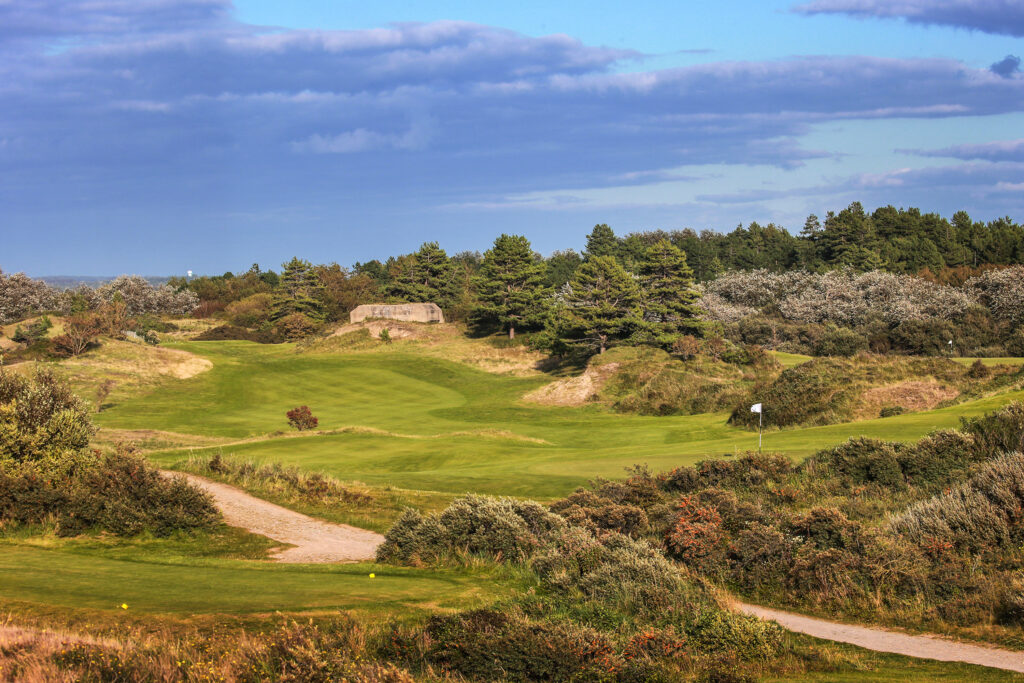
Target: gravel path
882,640
315,540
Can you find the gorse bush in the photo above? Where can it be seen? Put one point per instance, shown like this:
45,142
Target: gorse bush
840,341
501,528
594,511
40,419
924,534
492,645
696,533
48,473
999,432
233,332
118,493
861,461
614,570
750,470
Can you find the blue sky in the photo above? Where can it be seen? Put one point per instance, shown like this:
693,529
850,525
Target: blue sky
157,136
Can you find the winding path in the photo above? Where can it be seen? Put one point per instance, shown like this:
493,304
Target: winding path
317,541
882,640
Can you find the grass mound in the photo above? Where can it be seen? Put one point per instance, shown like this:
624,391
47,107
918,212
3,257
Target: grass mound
445,341
649,381
832,390
236,333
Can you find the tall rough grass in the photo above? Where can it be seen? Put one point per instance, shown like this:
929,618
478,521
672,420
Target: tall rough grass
981,514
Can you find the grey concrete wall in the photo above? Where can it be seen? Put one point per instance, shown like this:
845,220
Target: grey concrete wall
413,313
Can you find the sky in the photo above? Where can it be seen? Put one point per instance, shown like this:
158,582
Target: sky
159,136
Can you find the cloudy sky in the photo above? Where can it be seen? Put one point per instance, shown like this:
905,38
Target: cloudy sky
156,136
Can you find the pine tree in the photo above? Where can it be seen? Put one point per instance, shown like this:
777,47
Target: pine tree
511,284
602,242
426,276
299,291
602,303
670,299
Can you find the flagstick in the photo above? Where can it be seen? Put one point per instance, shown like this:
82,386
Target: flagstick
760,417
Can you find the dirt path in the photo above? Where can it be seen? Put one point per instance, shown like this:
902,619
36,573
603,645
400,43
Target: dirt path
882,640
315,540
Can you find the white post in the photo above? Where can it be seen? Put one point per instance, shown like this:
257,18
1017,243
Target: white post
760,417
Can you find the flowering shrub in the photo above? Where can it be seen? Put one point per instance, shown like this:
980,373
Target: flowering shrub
1002,291
21,296
696,533
139,296
840,297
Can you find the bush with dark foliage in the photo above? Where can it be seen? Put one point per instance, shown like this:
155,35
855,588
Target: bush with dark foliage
48,474
302,418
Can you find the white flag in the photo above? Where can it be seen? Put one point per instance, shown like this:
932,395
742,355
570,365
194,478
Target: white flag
756,408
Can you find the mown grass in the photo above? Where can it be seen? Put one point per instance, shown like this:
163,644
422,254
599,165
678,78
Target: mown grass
990,362
789,360
442,427
482,437
165,582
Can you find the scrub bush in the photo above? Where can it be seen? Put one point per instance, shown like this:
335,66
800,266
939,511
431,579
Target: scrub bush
499,528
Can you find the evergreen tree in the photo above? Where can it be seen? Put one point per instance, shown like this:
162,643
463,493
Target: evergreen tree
299,291
511,284
602,303
560,267
670,299
602,242
426,276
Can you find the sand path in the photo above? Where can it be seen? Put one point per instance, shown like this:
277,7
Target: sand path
882,640
315,540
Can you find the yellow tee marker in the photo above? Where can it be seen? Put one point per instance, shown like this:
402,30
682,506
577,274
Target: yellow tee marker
373,576
124,605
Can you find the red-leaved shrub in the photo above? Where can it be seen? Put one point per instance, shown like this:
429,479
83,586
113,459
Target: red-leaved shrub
301,418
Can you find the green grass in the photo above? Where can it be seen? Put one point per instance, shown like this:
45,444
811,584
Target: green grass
440,426
790,360
161,583
1015,362
476,423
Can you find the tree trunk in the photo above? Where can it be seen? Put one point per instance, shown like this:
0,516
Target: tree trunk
511,332
603,340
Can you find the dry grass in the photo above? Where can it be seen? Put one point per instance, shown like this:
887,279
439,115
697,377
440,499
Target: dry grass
440,340
574,391
154,439
912,395
27,654
6,331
